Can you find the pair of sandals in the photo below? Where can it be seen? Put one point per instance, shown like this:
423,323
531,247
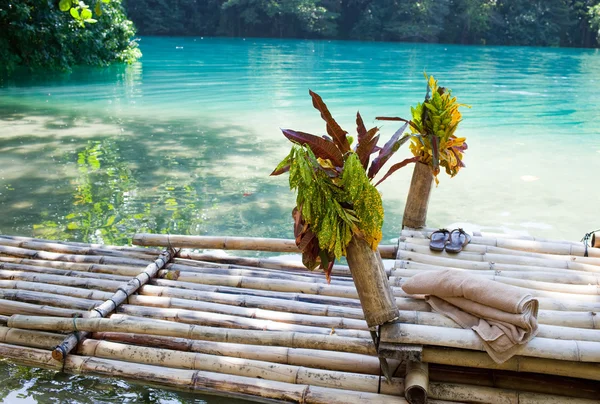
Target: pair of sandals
451,241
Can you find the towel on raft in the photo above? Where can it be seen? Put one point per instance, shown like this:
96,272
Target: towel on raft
504,316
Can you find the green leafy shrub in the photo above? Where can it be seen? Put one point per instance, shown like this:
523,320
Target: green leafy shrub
37,34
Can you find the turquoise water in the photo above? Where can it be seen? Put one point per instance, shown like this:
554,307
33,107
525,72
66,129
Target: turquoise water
184,140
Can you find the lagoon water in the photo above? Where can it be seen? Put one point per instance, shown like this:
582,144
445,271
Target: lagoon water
184,141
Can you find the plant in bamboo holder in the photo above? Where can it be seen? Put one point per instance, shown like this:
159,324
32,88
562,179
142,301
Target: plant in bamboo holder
433,125
338,210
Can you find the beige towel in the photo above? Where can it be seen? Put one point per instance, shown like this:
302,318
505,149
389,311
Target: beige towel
504,316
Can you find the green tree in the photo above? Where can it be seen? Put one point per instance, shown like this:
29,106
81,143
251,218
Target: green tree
37,34
468,21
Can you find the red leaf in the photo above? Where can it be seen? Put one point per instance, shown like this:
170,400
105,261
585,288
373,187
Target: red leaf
388,150
282,170
398,166
385,118
360,127
320,147
333,129
367,146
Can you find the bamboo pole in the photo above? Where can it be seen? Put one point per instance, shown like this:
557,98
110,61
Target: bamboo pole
417,201
481,360
186,269
595,241
90,259
123,292
422,245
487,261
144,250
120,323
416,383
518,382
485,236
230,321
376,296
9,307
239,367
314,358
28,338
210,307
52,271
582,351
51,299
61,248
87,283
405,303
196,380
57,289
74,266
490,395
227,243
268,263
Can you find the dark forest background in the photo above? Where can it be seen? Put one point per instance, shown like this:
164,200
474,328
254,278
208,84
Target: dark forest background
478,22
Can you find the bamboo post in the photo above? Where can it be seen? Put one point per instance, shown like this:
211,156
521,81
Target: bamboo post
416,383
376,297
595,241
415,211
122,293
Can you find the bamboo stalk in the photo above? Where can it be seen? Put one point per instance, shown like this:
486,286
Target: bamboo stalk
481,360
518,382
314,358
120,323
50,246
230,321
582,351
595,241
51,299
487,261
28,338
404,303
227,243
566,262
416,383
61,290
490,395
186,269
52,271
8,308
210,307
91,259
268,263
417,200
201,381
74,266
123,292
239,367
87,283
483,237
144,250
376,296
267,303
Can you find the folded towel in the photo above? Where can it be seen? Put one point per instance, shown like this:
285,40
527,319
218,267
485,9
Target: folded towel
504,316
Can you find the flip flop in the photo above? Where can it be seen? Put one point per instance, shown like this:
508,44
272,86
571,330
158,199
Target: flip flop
439,238
458,239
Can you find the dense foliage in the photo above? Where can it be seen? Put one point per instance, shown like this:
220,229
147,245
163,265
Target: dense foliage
499,22
335,198
37,34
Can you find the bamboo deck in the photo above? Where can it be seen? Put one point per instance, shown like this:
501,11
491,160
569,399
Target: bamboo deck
267,330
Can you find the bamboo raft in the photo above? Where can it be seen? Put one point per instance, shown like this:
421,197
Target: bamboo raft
267,330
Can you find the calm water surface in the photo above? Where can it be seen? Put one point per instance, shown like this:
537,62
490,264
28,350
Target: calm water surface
184,141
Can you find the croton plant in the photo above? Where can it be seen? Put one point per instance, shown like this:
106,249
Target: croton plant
336,198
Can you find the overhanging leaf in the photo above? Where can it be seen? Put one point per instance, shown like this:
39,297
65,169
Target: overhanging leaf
398,166
395,118
333,129
388,150
320,147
